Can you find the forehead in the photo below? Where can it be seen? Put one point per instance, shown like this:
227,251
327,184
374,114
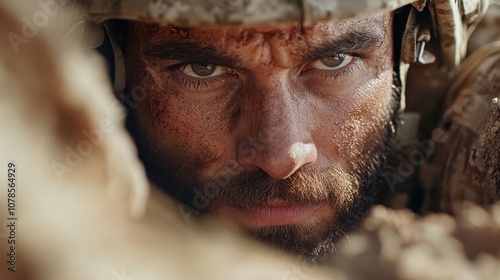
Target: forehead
281,45
375,23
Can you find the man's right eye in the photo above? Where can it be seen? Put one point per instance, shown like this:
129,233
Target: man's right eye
335,62
203,70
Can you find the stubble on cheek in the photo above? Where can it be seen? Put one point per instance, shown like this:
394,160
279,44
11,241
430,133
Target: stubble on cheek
370,117
366,112
356,122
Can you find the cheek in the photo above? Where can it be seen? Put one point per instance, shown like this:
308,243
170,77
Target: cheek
354,123
180,128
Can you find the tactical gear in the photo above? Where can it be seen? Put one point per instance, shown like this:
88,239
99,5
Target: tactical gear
466,161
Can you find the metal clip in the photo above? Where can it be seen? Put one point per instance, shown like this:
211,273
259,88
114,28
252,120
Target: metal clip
424,57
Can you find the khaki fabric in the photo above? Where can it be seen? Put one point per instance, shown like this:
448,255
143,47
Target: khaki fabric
465,164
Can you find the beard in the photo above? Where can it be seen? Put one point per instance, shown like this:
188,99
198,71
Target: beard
350,193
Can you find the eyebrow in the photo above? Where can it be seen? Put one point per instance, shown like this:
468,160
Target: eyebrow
347,43
192,52
187,52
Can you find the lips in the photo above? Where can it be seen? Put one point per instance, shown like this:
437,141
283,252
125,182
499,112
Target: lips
274,213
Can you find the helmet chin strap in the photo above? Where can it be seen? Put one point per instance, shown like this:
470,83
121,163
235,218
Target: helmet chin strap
119,59
91,35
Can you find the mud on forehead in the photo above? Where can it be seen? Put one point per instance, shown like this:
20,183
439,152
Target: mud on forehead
153,32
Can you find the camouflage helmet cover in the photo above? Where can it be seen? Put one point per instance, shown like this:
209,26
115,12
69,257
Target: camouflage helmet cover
234,12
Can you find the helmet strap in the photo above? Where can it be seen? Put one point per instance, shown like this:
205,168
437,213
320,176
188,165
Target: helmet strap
119,59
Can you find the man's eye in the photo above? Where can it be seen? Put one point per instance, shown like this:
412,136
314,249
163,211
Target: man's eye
202,70
332,62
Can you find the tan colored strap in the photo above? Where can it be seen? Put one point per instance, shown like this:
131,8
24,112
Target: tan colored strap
88,34
407,129
419,5
409,50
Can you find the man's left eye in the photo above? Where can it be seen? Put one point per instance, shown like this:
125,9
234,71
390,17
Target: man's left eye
202,70
334,62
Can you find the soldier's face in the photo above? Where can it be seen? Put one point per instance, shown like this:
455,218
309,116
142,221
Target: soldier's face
282,129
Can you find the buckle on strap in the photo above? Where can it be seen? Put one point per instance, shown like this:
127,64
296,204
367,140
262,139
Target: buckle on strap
424,57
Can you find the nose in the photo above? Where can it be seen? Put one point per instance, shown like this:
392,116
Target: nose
277,140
